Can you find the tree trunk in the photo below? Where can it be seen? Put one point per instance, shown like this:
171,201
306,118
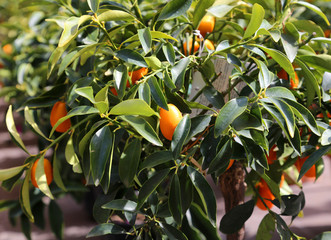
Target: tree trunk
232,184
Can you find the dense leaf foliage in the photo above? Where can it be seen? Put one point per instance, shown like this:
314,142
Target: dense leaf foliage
115,64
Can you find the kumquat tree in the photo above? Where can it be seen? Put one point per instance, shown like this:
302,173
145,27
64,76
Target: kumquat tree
152,101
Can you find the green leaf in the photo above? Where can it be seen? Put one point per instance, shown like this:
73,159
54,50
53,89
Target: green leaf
265,76
145,38
222,158
71,27
205,192
41,178
56,173
30,119
115,15
156,159
25,196
71,156
290,46
213,96
322,39
229,112
169,52
26,227
256,20
200,11
286,112
10,172
129,162
86,92
280,58
153,62
94,5
168,81
305,115
315,9
56,219
150,186
279,92
266,228
101,99
121,205
313,159
174,8
144,92
221,10
323,236
143,128
293,204
175,201
256,151
320,62
131,56
234,219
157,93
133,107
247,121
181,132
155,35
326,137
172,232
311,81
178,72
106,228
12,129
198,124
100,151
121,77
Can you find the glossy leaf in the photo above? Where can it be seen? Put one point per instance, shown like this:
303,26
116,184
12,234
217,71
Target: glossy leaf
121,77
229,112
290,46
57,174
178,72
279,92
10,172
71,156
198,125
205,192
93,4
169,52
321,62
326,137
315,9
30,119
172,232
174,8
221,10
105,228
25,196
150,186
175,201
157,93
222,158
121,205
168,81
41,178
115,15
131,56
181,132
214,96
145,38
56,219
293,204
266,228
129,162
156,159
133,107
12,129
234,219
143,128
256,20
144,92
100,149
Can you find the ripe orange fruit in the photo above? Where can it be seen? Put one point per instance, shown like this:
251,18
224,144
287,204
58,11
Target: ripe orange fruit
272,155
136,75
311,173
283,75
196,46
48,172
230,164
327,33
207,25
209,44
8,49
265,193
169,120
58,111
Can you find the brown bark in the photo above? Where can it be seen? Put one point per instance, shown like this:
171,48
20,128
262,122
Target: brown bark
232,184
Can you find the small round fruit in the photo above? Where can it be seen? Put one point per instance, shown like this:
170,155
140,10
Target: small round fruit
58,111
8,49
113,90
311,173
266,194
272,155
48,172
169,120
189,47
207,25
327,33
209,44
283,75
136,75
